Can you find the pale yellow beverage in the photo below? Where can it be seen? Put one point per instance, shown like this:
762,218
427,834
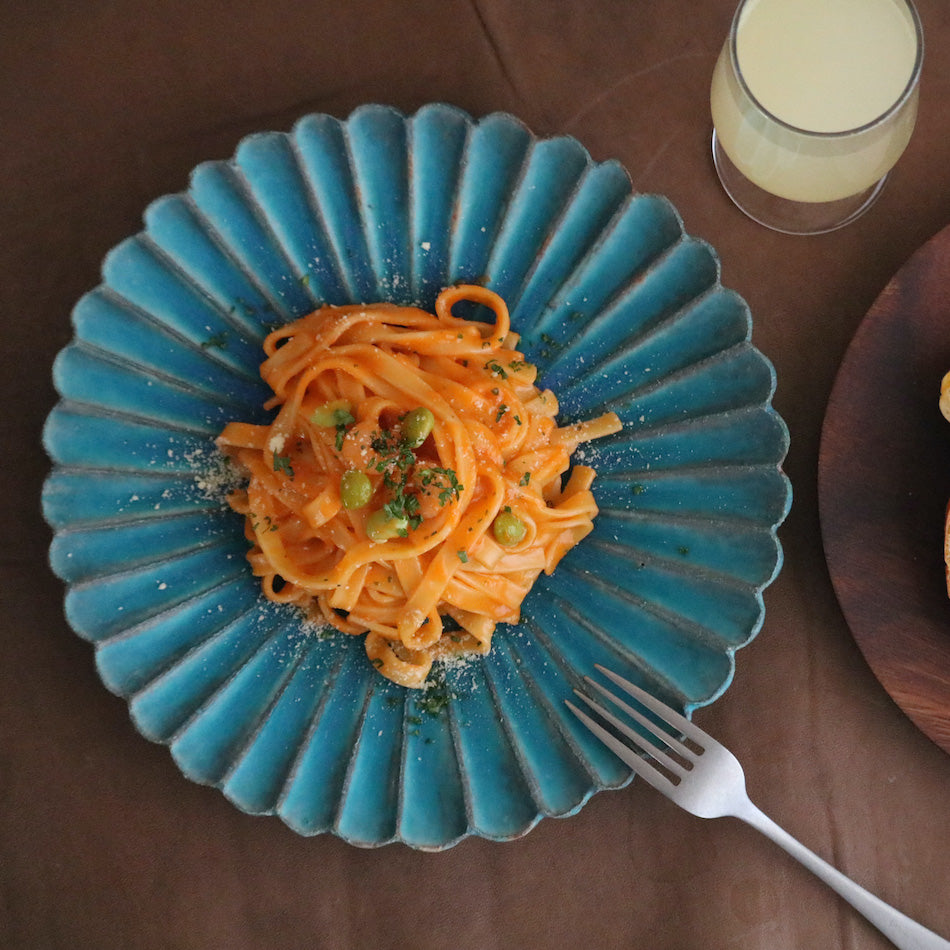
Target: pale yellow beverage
815,100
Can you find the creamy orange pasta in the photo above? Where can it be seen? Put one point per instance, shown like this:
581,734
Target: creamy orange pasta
409,487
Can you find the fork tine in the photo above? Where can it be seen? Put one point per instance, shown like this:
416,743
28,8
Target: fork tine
675,719
647,745
670,741
639,765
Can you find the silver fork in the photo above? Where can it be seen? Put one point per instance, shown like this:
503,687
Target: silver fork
708,781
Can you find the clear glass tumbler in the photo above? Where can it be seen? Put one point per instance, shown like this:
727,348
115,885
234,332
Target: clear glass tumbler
813,101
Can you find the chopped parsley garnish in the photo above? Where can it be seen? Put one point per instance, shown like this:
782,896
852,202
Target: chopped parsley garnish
219,340
342,418
463,557
448,489
433,704
402,507
396,461
334,415
495,367
502,409
447,492
436,697
282,464
525,478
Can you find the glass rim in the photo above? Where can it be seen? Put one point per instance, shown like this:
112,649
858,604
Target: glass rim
891,110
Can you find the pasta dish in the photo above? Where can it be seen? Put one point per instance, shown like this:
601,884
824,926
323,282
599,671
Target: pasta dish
413,482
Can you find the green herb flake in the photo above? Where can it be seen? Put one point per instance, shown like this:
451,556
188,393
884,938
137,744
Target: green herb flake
397,464
449,488
463,557
525,479
436,697
342,419
452,490
502,409
282,464
219,341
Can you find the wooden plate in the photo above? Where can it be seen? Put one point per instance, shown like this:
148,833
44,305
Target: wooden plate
884,484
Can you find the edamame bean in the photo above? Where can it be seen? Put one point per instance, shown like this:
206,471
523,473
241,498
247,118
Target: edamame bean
416,426
355,489
337,412
381,527
508,529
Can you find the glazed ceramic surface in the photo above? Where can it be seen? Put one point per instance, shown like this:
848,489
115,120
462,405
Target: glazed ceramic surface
619,308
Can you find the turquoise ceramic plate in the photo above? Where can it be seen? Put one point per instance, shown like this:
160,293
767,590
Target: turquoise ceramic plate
619,308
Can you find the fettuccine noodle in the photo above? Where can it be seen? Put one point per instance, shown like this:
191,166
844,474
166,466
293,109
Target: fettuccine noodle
410,485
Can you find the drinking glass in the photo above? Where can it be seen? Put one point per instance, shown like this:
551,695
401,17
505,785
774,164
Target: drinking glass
813,101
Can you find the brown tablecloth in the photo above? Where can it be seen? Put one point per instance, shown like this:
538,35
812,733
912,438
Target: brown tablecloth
103,844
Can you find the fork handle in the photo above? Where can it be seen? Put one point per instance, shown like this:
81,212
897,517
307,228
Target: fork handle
903,932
